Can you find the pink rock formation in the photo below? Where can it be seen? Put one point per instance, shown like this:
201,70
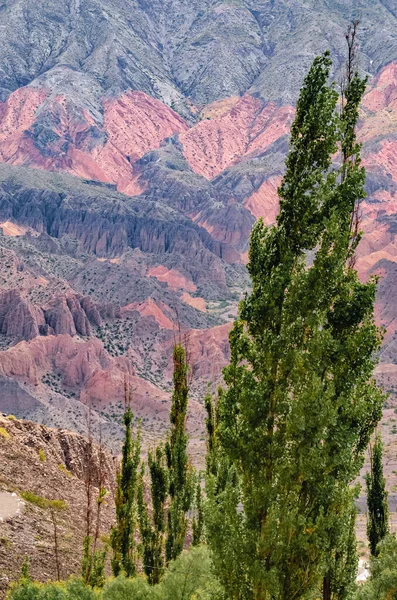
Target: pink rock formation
134,123
150,308
265,202
248,128
172,277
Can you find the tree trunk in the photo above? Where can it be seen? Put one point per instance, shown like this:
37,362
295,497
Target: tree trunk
327,587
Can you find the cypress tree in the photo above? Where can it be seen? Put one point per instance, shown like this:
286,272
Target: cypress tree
179,469
377,502
300,403
123,541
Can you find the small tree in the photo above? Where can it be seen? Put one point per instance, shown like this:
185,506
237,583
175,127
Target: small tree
377,501
123,540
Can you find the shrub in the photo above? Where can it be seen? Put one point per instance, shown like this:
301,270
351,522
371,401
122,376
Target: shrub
12,418
42,455
190,576
74,589
123,588
4,433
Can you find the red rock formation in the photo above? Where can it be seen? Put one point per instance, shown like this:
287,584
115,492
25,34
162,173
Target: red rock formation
247,129
17,116
198,303
265,202
150,308
134,123
172,277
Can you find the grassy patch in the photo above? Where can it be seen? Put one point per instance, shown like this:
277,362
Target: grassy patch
62,468
42,455
43,502
12,418
4,433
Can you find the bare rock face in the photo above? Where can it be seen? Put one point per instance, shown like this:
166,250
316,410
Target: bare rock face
52,464
59,317
18,318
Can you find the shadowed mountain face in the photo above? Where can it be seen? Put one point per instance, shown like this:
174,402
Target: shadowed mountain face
139,141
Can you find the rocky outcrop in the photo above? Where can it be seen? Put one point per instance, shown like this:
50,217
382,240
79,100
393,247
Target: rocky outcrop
52,464
19,319
22,320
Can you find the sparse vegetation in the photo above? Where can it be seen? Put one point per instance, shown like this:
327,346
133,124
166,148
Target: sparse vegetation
62,468
42,502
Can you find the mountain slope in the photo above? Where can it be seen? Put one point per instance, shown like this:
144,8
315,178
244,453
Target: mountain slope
140,140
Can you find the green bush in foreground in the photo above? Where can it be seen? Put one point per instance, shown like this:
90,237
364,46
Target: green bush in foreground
188,578
74,589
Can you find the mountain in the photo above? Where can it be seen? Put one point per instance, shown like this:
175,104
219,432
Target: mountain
139,141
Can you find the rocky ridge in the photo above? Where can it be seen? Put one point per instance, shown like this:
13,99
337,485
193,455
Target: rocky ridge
52,465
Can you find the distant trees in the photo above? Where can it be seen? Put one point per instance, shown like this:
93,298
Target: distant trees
162,523
300,402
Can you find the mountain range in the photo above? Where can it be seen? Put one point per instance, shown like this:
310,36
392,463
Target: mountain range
139,141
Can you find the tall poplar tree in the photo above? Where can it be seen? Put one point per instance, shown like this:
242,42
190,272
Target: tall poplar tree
123,535
300,402
377,501
181,475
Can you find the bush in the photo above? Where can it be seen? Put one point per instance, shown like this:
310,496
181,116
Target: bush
122,588
73,589
189,577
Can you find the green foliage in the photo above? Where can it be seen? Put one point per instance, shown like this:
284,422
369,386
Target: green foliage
4,433
74,589
62,468
190,577
198,519
93,564
378,509
382,584
45,503
152,529
42,455
123,588
25,576
123,535
300,404
181,478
